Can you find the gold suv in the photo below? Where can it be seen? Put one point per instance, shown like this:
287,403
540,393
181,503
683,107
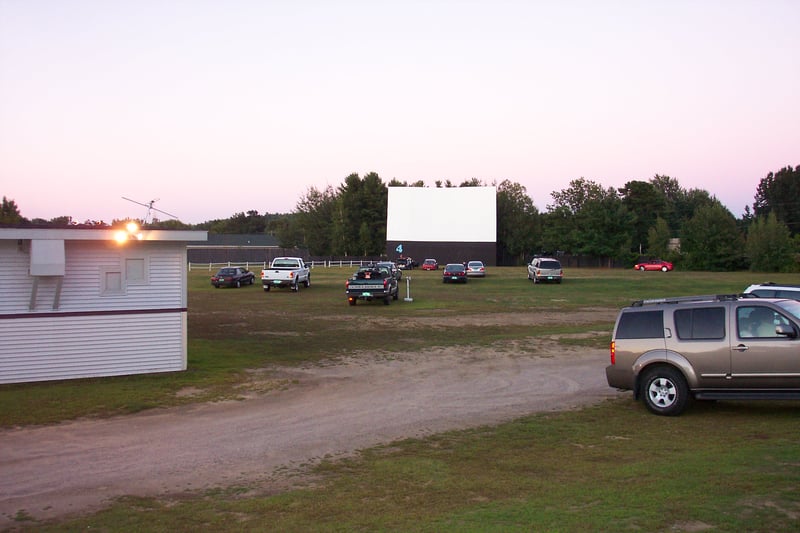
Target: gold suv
671,350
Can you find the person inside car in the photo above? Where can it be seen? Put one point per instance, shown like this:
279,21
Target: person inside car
759,323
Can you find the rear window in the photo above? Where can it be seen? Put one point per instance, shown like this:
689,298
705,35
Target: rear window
641,325
700,324
550,265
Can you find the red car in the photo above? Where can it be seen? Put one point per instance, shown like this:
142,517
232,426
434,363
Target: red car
654,264
430,264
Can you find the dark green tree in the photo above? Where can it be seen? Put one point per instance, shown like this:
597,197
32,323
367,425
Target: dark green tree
311,225
9,212
587,219
559,230
360,201
711,240
658,237
604,228
645,203
779,193
518,224
770,246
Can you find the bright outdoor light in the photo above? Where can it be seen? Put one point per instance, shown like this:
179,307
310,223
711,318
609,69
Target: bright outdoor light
132,227
121,236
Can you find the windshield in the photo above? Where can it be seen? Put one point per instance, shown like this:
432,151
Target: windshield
790,306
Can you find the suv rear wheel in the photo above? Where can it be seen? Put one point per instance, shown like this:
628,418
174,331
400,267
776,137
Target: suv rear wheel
665,391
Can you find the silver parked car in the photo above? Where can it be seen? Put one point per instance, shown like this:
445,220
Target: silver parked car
543,269
476,269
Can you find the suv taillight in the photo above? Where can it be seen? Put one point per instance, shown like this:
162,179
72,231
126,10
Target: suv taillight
613,352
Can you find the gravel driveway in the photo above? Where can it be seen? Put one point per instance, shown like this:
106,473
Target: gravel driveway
328,411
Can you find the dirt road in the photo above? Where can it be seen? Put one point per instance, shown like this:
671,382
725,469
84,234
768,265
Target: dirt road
327,411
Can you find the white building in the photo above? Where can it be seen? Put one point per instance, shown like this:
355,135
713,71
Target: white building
78,303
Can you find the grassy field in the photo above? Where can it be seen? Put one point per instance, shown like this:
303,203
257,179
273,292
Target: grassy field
727,466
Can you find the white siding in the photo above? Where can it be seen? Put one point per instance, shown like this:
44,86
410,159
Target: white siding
140,329
39,349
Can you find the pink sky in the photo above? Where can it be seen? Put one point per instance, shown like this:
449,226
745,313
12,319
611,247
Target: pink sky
222,107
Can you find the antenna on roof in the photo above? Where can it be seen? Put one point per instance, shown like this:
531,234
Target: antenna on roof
149,206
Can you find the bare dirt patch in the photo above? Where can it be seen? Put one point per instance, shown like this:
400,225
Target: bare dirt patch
291,417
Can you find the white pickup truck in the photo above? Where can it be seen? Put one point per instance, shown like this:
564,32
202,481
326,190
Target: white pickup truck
286,272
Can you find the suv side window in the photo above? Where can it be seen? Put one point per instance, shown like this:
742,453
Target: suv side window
758,322
644,325
705,323
765,293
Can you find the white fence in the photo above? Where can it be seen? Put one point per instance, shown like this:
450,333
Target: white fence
264,265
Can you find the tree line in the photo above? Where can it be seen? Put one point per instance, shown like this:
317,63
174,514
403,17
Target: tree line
653,218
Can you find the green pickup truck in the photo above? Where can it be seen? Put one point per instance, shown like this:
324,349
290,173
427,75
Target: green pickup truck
372,283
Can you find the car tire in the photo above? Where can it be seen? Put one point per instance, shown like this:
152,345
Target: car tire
238,284
295,288
352,302
266,288
641,269
663,269
307,282
664,391
387,300
395,295
216,286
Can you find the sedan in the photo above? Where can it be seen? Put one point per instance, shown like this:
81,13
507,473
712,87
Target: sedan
430,264
232,277
455,273
654,264
476,269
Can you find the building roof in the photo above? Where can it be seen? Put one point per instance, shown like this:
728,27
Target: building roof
100,234
241,240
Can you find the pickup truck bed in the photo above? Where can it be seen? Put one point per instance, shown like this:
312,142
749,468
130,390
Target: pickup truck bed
372,284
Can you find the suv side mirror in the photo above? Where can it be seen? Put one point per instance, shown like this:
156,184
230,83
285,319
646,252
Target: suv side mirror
786,331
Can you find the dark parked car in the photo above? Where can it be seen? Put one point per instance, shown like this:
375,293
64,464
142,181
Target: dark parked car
454,273
232,277
654,264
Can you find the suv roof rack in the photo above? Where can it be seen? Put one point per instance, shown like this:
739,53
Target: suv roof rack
681,299
773,284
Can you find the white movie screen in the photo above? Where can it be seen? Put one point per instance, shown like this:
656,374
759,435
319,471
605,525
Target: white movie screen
449,214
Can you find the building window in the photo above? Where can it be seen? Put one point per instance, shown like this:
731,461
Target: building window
111,282
135,271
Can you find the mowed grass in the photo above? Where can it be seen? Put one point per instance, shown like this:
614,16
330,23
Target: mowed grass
233,330
727,466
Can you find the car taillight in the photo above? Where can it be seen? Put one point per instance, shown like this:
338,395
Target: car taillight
613,352
347,284
385,283
291,275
